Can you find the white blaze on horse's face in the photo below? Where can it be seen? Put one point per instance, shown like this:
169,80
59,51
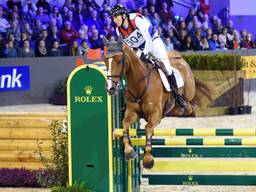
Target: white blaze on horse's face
109,80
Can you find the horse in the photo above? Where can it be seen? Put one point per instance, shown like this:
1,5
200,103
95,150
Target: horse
145,95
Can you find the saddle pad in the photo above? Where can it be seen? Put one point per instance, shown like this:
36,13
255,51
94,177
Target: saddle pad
179,79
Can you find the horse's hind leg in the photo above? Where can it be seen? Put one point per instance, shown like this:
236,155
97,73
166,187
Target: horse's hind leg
130,117
153,121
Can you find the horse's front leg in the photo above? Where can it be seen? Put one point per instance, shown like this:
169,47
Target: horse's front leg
153,121
129,118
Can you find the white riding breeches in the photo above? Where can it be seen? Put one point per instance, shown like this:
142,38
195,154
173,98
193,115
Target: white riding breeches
158,51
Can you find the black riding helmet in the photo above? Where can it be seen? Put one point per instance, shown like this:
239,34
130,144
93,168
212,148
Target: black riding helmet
118,9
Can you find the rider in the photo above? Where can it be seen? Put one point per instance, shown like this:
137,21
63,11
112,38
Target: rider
138,33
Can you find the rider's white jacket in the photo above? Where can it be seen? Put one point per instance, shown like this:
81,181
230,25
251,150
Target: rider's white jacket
140,34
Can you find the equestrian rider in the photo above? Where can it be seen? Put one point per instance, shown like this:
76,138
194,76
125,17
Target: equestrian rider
138,33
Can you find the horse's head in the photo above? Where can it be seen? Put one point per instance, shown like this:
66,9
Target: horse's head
115,62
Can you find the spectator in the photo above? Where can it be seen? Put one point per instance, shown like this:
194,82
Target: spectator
217,27
94,20
15,30
67,34
70,18
25,36
243,34
40,15
163,12
247,43
169,26
215,41
191,14
11,37
55,50
55,14
79,16
182,37
108,28
74,50
83,48
174,39
64,11
205,44
150,3
145,13
160,32
29,11
206,22
236,40
197,40
230,27
41,50
168,44
26,51
95,41
155,19
85,31
11,3
188,45
44,36
10,51
44,4
195,23
54,34
4,24
56,3
181,27
26,28
208,33
225,38
2,45
38,27
151,10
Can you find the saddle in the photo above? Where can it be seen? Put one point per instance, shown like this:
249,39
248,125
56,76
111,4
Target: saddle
163,73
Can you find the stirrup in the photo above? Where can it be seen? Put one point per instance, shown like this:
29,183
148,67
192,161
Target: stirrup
181,101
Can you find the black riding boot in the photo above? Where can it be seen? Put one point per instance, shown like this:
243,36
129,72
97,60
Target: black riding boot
179,99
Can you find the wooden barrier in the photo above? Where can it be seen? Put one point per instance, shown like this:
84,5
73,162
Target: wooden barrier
20,133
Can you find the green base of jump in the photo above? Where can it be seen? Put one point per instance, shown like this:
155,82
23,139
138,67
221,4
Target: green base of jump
201,179
194,152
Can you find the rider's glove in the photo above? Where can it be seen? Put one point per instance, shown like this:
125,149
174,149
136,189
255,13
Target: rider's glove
144,57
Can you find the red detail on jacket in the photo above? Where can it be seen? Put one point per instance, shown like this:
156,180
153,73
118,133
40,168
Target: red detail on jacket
132,26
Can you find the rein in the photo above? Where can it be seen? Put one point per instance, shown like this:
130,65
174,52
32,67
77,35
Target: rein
138,99
135,99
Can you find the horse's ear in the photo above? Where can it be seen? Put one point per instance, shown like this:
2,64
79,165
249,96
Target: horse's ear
104,39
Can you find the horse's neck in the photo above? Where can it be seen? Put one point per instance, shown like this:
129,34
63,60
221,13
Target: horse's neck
136,71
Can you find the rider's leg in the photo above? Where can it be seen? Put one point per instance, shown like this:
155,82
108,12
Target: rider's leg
158,50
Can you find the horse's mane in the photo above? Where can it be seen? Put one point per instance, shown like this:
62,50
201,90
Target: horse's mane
130,54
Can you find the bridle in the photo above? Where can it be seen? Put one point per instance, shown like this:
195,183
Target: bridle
121,75
135,98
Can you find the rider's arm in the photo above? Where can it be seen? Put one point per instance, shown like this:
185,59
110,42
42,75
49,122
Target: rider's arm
143,25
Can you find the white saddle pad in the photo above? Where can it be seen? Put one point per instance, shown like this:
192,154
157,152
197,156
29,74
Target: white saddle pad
179,79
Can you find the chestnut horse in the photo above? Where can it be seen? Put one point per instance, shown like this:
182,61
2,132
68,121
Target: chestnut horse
145,94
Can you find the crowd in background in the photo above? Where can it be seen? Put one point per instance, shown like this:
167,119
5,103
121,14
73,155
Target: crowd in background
72,27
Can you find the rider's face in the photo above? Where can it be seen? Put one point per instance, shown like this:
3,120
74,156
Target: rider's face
118,20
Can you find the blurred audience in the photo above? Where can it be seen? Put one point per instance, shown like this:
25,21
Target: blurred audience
53,28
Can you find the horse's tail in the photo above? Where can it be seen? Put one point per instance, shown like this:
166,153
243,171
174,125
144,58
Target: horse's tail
204,93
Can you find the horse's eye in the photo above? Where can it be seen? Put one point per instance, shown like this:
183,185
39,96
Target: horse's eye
119,62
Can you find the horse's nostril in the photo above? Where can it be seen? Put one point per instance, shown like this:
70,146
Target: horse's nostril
112,91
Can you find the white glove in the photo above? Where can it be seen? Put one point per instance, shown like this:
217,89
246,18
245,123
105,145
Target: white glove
138,53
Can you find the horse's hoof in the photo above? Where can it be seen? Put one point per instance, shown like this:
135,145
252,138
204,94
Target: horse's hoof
130,156
148,165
